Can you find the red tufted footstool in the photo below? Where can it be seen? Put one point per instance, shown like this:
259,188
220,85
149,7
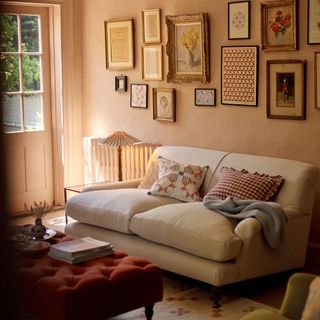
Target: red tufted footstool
95,289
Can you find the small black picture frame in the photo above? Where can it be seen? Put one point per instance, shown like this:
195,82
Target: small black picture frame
204,97
121,83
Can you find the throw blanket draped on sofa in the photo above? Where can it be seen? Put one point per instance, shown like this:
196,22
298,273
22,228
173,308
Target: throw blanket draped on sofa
269,214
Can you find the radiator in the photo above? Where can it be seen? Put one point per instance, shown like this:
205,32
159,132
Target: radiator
104,163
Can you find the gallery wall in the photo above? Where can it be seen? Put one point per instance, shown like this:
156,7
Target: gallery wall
231,128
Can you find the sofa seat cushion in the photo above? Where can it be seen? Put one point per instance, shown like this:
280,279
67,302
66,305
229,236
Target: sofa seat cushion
112,209
190,227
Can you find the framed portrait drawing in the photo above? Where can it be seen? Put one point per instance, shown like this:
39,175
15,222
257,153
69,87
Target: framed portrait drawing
239,75
151,26
279,27
188,48
239,20
313,21
119,44
286,89
121,83
317,79
139,96
164,104
205,97
151,62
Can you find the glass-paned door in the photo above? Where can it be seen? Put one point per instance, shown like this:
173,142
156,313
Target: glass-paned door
25,99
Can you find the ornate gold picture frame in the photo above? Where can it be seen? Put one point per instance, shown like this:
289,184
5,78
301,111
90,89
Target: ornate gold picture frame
279,27
188,48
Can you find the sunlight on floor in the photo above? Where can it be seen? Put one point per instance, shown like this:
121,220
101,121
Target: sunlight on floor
52,220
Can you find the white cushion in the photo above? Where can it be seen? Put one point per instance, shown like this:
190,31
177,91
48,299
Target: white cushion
190,227
113,209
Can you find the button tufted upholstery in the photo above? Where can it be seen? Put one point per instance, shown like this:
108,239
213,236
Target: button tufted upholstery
95,289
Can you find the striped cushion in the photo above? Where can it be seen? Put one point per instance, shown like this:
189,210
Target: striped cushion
245,185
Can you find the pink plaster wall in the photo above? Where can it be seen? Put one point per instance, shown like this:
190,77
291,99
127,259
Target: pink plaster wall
231,128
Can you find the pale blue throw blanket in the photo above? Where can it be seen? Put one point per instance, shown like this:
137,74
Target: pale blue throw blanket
269,214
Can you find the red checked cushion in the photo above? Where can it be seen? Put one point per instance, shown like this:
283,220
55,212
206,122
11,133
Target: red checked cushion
245,185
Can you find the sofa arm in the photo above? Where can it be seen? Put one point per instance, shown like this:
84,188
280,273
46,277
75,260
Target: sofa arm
294,212
247,228
129,184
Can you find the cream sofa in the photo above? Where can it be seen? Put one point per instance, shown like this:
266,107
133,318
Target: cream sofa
188,238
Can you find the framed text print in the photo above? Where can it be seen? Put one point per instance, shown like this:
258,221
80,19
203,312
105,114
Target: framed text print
119,44
239,75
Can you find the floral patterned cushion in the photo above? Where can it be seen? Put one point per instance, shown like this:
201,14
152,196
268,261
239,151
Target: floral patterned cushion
245,185
178,180
312,307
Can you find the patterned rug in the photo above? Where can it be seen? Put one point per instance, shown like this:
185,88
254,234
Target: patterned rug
188,299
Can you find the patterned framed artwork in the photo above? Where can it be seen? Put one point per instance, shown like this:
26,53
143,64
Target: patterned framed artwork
313,21
279,21
239,75
239,20
286,89
204,97
139,96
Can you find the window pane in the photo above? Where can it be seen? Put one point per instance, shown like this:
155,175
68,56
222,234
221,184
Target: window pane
9,73
33,115
8,33
11,113
30,72
30,33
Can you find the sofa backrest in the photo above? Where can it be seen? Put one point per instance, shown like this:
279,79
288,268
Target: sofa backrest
297,191
195,156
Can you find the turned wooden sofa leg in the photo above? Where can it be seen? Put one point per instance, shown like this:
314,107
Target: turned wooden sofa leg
216,297
148,310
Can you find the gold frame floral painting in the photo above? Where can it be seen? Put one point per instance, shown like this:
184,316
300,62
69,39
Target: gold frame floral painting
188,48
279,25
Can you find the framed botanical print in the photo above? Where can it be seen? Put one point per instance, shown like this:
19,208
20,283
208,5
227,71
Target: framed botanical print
317,80
279,21
152,62
313,21
119,44
239,75
139,96
188,48
164,104
151,26
204,97
239,20
286,89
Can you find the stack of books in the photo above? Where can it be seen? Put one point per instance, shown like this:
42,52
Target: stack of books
79,250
